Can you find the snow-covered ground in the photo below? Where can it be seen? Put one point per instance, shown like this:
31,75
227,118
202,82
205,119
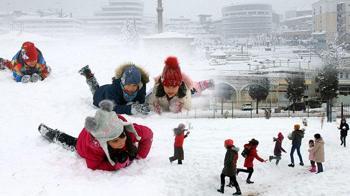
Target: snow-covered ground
29,165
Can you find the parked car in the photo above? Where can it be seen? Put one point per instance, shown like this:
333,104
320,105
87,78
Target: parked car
298,106
313,103
246,106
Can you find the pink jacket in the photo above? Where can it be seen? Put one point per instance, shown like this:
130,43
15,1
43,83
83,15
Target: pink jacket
89,148
311,154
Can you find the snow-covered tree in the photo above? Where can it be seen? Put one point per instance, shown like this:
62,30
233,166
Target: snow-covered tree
295,90
259,91
129,33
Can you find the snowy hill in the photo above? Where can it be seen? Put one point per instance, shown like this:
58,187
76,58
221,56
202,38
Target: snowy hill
29,165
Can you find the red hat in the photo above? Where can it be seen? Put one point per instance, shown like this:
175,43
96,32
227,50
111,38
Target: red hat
228,142
280,136
29,52
171,75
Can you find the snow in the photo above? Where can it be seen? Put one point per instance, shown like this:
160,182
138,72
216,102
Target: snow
29,165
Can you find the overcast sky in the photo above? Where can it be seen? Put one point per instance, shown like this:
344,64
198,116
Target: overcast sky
172,8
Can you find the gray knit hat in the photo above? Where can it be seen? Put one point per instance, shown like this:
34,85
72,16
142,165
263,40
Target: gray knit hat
106,126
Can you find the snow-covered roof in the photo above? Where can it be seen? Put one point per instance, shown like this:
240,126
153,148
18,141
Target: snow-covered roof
298,18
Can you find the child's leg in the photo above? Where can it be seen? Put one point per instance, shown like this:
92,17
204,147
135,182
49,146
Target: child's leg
278,158
90,78
66,141
251,171
319,167
173,158
312,163
300,157
341,140
222,179
236,185
54,135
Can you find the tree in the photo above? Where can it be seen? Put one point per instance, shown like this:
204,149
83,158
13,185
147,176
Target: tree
259,91
327,78
295,90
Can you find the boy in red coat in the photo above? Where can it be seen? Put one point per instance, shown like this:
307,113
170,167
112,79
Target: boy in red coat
107,142
179,140
248,162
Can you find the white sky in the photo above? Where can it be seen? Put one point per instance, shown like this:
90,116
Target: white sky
172,8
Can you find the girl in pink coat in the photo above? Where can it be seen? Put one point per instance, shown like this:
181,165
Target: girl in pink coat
107,142
312,156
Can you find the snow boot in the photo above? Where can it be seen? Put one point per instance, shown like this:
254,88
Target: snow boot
179,162
86,71
238,190
301,164
48,133
249,182
291,165
313,169
221,190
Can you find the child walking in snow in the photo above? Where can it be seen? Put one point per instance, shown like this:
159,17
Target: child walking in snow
312,156
107,142
249,158
180,136
278,148
230,166
127,91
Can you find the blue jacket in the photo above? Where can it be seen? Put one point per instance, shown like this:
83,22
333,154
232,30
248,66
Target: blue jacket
114,93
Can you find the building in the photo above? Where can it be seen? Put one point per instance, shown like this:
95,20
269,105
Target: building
297,26
331,20
46,25
246,20
115,16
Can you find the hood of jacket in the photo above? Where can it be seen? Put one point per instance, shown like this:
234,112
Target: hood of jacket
120,70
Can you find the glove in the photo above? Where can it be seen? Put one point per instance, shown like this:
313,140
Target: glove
140,108
176,107
17,77
35,77
25,79
157,108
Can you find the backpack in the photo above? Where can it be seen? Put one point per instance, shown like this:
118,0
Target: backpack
245,152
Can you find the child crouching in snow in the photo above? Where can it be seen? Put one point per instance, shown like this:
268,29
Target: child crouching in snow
230,166
312,156
107,142
278,148
179,140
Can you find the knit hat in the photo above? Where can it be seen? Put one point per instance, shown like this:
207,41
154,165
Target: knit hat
228,142
254,142
179,129
296,127
29,52
131,75
171,75
106,126
280,136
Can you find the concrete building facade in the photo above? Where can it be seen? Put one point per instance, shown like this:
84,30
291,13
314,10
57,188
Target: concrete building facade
247,20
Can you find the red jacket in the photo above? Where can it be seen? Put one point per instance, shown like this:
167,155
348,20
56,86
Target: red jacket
179,139
89,148
248,162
